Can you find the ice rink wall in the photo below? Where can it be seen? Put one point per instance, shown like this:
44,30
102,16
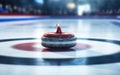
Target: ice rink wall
13,17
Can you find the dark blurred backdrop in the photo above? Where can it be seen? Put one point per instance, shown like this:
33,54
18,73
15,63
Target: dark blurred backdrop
61,7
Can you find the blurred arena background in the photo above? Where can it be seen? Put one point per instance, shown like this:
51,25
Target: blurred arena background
61,7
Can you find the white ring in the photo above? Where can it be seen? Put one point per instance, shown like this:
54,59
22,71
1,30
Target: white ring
97,49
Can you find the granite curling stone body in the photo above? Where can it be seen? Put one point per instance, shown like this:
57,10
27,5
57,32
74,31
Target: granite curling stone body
58,39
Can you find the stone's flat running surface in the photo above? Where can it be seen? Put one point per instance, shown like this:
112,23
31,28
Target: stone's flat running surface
58,39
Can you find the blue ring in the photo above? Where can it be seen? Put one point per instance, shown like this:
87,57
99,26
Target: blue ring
105,59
